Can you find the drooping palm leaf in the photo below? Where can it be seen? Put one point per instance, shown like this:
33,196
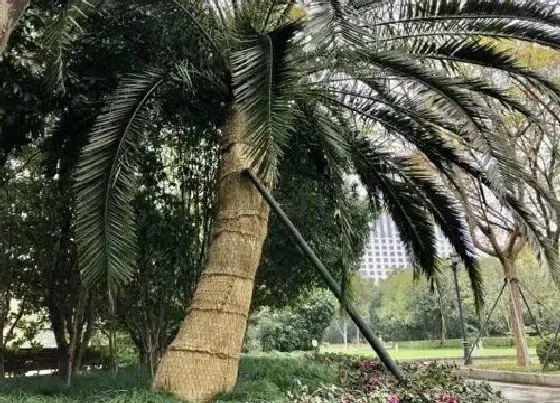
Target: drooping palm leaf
59,35
106,184
417,203
263,79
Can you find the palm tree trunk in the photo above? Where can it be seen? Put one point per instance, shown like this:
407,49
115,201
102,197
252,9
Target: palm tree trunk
10,13
204,357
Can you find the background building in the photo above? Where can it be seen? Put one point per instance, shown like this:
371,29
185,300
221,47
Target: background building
384,252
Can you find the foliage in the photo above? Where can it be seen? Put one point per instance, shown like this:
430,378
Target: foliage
259,379
361,291
174,210
278,376
363,380
544,346
130,385
21,242
294,327
307,197
319,378
403,309
124,354
406,309
317,69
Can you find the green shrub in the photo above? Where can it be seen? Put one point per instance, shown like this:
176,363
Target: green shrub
544,346
284,372
329,378
294,328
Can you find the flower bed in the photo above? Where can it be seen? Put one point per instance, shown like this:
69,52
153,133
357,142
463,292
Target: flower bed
365,380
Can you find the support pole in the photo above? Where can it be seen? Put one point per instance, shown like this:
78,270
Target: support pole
530,312
483,328
466,355
331,282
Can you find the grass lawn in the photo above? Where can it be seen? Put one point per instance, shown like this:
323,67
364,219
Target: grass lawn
260,379
510,365
364,349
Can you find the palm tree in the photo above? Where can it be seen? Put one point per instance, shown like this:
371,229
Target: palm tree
345,71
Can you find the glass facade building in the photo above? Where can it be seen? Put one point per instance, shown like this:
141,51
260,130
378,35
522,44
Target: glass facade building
384,252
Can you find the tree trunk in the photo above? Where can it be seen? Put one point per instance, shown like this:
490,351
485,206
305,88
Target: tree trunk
345,331
204,357
516,313
10,12
2,353
84,343
4,310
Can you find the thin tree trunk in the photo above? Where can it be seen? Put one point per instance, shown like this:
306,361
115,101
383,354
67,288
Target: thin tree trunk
2,351
516,314
10,13
82,349
345,331
203,359
4,311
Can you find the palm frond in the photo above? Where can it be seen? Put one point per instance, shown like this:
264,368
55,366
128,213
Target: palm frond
457,102
264,77
60,34
209,24
406,207
417,203
450,218
485,55
430,11
106,184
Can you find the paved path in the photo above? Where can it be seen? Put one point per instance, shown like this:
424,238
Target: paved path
515,393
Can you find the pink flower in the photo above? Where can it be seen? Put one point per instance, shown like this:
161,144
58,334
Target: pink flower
452,399
393,399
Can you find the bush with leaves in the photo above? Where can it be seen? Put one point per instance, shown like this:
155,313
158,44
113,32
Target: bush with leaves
295,327
548,349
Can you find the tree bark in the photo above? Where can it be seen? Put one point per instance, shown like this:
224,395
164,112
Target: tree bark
345,331
516,313
2,351
203,359
10,13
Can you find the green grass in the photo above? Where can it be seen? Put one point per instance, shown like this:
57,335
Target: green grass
128,385
427,354
510,365
260,378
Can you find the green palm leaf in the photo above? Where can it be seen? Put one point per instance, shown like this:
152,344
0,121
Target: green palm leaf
264,77
60,34
106,184
417,203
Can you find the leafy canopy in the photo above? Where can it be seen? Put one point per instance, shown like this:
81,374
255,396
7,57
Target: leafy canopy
394,69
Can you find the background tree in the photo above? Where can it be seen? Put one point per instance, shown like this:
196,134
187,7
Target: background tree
497,232
294,327
20,239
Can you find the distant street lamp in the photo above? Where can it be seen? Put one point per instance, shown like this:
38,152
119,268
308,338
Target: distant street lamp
455,261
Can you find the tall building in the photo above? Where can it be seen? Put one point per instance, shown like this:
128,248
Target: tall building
384,252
